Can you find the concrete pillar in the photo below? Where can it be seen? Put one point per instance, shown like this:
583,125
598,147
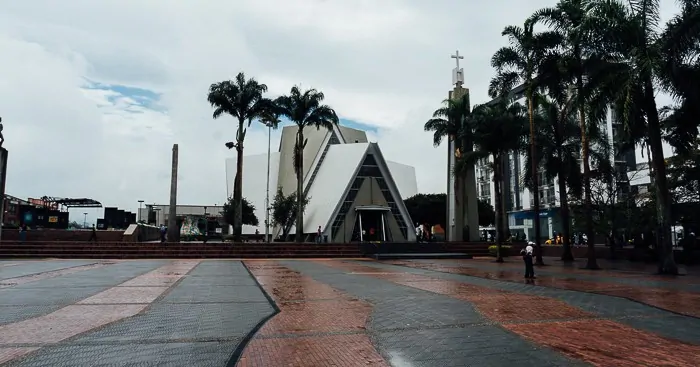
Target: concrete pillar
3,176
173,229
462,199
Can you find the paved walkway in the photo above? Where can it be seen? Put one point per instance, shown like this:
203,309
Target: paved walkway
341,313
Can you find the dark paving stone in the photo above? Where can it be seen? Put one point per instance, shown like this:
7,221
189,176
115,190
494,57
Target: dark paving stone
412,327
473,346
106,276
46,296
42,297
164,354
34,267
172,322
195,324
634,314
215,294
10,314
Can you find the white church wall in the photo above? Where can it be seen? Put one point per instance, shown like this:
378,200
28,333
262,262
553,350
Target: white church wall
405,178
330,183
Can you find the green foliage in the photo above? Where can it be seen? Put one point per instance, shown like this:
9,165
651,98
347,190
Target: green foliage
283,210
505,250
249,217
432,209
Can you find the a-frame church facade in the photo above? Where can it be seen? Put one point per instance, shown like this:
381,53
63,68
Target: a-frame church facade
354,193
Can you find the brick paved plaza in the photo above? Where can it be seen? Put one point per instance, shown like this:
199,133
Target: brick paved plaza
342,313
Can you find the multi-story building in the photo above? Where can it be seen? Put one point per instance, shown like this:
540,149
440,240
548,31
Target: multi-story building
518,200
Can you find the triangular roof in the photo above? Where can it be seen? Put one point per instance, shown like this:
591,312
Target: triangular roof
334,180
329,185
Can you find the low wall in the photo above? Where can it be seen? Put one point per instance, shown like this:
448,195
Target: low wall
141,233
62,235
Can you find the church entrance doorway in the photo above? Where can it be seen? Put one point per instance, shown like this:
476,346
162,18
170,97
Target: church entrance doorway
371,225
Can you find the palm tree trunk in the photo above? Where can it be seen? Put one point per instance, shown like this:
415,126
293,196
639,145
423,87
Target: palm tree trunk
300,186
535,181
667,264
238,186
499,205
588,209
566,255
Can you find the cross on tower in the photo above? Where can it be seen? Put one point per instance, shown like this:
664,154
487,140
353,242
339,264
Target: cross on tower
457,73
457,56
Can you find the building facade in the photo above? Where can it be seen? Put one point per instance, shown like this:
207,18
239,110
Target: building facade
354,193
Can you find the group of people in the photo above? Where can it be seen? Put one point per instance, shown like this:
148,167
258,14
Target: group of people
425,232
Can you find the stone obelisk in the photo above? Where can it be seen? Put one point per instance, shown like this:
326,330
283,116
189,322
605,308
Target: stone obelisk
462,201
173,228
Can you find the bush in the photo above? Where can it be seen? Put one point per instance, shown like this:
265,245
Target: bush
505,250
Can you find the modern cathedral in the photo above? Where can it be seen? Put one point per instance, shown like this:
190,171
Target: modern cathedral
354,193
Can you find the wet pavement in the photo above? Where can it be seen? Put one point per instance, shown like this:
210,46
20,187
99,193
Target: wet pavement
341,313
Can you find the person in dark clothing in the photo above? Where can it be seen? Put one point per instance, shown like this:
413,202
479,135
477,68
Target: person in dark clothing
527,258
93,235
23,232
163,232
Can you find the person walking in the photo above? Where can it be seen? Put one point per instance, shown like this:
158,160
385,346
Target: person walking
319,234
93,234
527,259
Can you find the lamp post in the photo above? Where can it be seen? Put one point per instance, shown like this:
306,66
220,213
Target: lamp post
138,220
267,190
85,220
206,225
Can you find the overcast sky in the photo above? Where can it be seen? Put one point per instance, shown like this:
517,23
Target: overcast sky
94,93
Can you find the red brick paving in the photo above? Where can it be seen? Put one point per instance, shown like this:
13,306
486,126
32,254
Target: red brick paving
678,301
309,307
598,342
11,282
607,343
76,319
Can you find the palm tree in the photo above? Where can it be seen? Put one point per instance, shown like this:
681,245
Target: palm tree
242,99
305,110
558,140
585,30
645,55
519,62
496,130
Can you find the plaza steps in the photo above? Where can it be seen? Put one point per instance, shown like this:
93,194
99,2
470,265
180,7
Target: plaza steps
409,256
431,250
145,250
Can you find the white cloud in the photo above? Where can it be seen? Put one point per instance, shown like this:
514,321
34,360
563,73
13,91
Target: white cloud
384,64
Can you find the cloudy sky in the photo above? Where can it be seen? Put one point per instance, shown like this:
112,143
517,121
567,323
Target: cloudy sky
94,93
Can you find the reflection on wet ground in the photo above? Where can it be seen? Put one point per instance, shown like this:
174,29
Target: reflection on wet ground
681,302
316,326
547,321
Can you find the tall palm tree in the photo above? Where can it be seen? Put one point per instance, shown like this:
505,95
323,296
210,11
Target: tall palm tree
305,110
496,130
558,140
519,62
648,54
586,33
242,99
